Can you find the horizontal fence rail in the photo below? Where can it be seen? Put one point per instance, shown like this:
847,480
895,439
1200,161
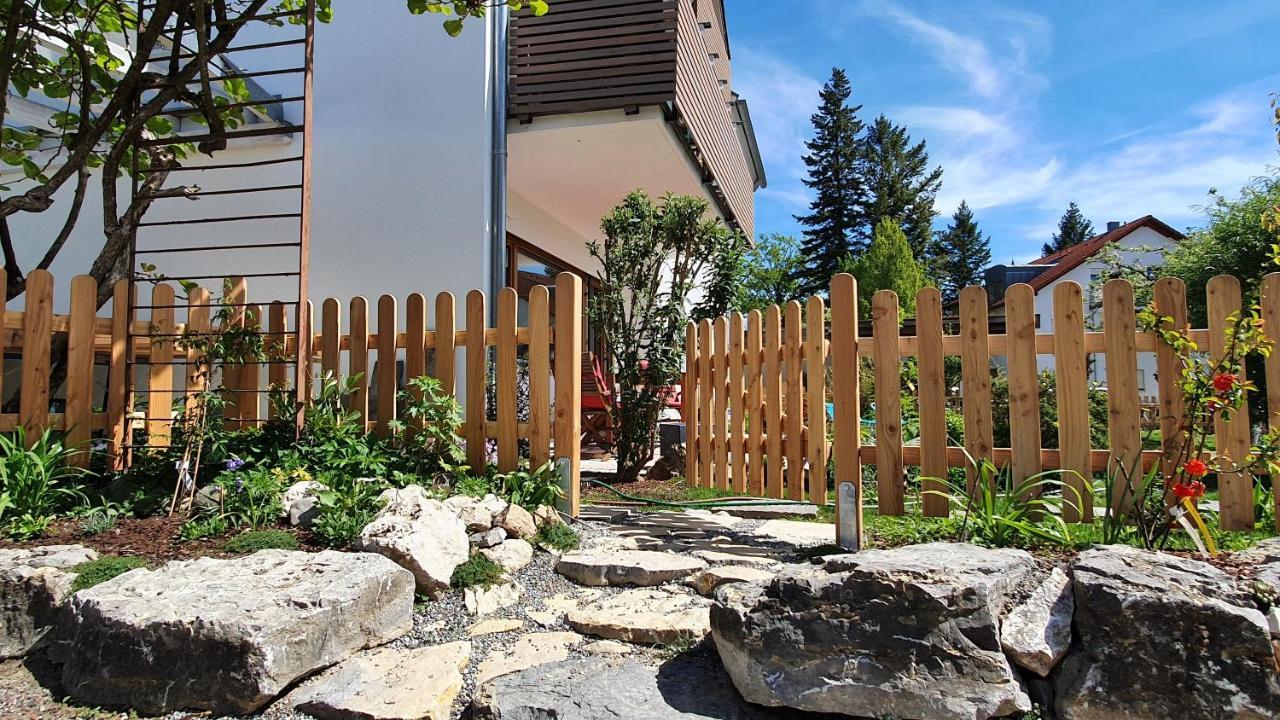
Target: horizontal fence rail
762,389
379,348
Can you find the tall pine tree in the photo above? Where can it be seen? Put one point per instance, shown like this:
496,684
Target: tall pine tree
1073,229
962,253
835,226
899,183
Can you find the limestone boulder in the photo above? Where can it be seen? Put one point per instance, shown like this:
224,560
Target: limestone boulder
912,632
627,567
472,512
529,651
226,636
517,521
1037,630
545,515
388,683
33,585
1263,563
421,535
1163,637
512,554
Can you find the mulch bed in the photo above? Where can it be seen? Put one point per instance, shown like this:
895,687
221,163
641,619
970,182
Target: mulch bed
153,538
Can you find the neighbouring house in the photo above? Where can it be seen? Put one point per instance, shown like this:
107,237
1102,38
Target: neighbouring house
1139,243
449,164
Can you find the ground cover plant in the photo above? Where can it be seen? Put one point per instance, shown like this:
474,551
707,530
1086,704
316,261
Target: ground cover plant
96,572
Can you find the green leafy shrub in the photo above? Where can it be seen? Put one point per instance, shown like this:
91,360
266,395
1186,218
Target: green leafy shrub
205,527
476,486
1002,513
479,571
96,572
558,536
100,519
345,507
36,483
334,439
251,497
255,540
424,442
530,488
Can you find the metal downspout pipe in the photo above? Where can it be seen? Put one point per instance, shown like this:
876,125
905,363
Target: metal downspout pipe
498,167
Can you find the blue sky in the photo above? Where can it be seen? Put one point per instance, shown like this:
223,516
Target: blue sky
1127,108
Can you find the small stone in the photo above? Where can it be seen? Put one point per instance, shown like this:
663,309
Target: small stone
529,651
644,616
299,502
481,601
512,555
1273,621
517,521
627,567
707,581
471,512
488,538
388,683
1036,632
494,626
545,618
718,519
494,504
607,647
545,515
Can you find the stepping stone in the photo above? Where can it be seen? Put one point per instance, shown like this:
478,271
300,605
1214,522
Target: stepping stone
765,511
33,585
494,626
717,557
653,617
226,635
529,651
388,683
486,601
607,647
627,567
796,533
707,581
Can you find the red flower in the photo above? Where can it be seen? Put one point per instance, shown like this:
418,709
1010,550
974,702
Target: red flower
1225,382
1196,468
1193,489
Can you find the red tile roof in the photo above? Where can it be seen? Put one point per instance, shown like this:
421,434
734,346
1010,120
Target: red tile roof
1064,261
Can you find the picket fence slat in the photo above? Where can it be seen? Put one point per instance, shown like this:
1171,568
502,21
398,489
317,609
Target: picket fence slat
1170,298
568,423
794,403
477,370
1235,484
689,407
816,400
445,355
1024,385
331,340
160,369
1071,368
1270,303
888,383
773,401
251,375
4,281
845,396
755,403
539,376
117,384
706,384
720,411
79,412
505,375
358,357
975,361
1125,435
277,372
737,404
415,347
933,403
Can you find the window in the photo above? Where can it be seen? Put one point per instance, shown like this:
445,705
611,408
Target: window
528,267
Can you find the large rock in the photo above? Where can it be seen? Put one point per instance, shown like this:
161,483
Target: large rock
388,683
1037,631
912,632
472,512
689,687
421,535
518,522
627,567
33,585
512,554
643,615
1263,560
1162,637
226,635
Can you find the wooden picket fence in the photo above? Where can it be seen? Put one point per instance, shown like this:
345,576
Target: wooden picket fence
757,388
553,354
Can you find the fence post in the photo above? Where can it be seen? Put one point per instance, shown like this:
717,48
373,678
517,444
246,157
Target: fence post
1235,488
37,335
1071,369
816,370
4,331
933,403
79,414
844,386
477,364
1024,383
689,404
1119,327
1271,326
975,364
118,383
568,429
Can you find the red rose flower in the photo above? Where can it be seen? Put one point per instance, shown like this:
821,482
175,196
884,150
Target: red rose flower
1196,468
1225,382
1193,489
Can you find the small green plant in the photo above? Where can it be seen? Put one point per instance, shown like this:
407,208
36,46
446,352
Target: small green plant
346,505
201,528
100,519
479,571
1002,513
254,540
558,536
95,572
425,442
36,483
530,488
251,497
334,438
476,486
